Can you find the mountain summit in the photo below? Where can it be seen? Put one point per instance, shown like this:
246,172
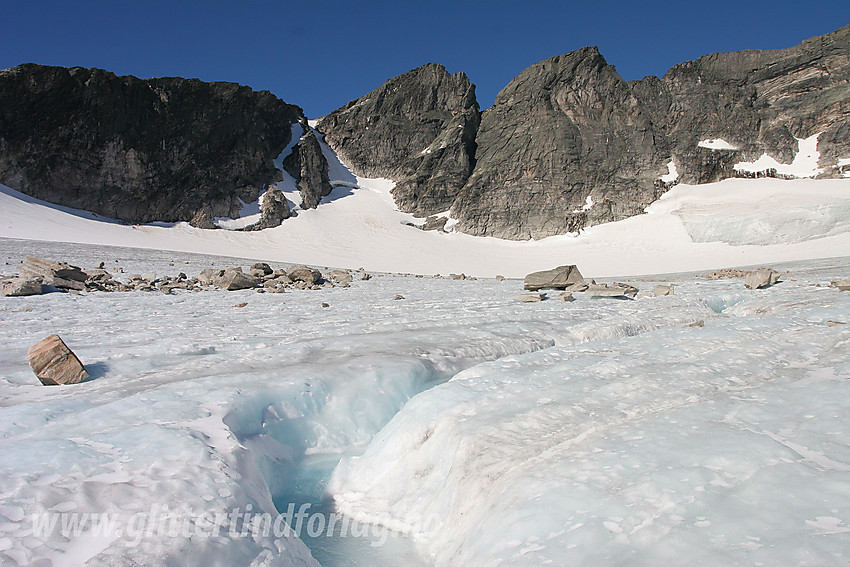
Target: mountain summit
569,143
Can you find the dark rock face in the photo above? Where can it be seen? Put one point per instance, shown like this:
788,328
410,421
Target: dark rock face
167,149
417,129
570,127
567,144
309,168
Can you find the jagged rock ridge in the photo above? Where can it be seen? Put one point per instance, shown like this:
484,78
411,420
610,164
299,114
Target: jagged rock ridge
167,149
309,168
569,143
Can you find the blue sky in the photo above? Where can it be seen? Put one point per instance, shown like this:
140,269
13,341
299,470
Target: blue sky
321,54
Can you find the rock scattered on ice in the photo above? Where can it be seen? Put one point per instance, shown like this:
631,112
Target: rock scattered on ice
660,290
557,278
761,278
54,363
617,290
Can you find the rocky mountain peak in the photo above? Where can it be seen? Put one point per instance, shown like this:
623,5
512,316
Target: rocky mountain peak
417,129
568,143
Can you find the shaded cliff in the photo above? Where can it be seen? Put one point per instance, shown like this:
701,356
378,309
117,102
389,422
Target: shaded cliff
166,149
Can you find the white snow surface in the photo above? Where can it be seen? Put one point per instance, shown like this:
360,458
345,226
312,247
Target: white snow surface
588,204
716,144
672,173
805,163
493,432
599,432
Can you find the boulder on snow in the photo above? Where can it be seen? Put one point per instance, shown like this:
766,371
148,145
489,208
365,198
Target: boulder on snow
566,296
761,278
233,279
843,285
340,277
209,276
56,274
435,223
304,274
557,278
617,290
33,268
532,297
660,290
260,269
54,363
19,287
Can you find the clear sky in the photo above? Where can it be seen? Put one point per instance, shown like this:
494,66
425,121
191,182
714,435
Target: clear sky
321,54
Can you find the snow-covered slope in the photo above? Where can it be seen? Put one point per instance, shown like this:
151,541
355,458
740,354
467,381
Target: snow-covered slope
734,222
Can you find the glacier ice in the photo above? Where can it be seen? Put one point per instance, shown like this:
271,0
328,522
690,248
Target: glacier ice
599,430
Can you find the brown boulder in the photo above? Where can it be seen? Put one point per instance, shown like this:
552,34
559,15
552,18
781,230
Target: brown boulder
18,287
54,363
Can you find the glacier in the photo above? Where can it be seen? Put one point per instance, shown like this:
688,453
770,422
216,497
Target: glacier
484,430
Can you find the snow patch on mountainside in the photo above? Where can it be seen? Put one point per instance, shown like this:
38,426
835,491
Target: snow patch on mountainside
672,173
805,162
716,144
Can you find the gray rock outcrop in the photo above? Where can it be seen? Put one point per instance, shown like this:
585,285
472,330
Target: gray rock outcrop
56,274
274,209
234,279
309,168
565,129
54,363
304,274
617,291
20,287
340,277
561,277
418,129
